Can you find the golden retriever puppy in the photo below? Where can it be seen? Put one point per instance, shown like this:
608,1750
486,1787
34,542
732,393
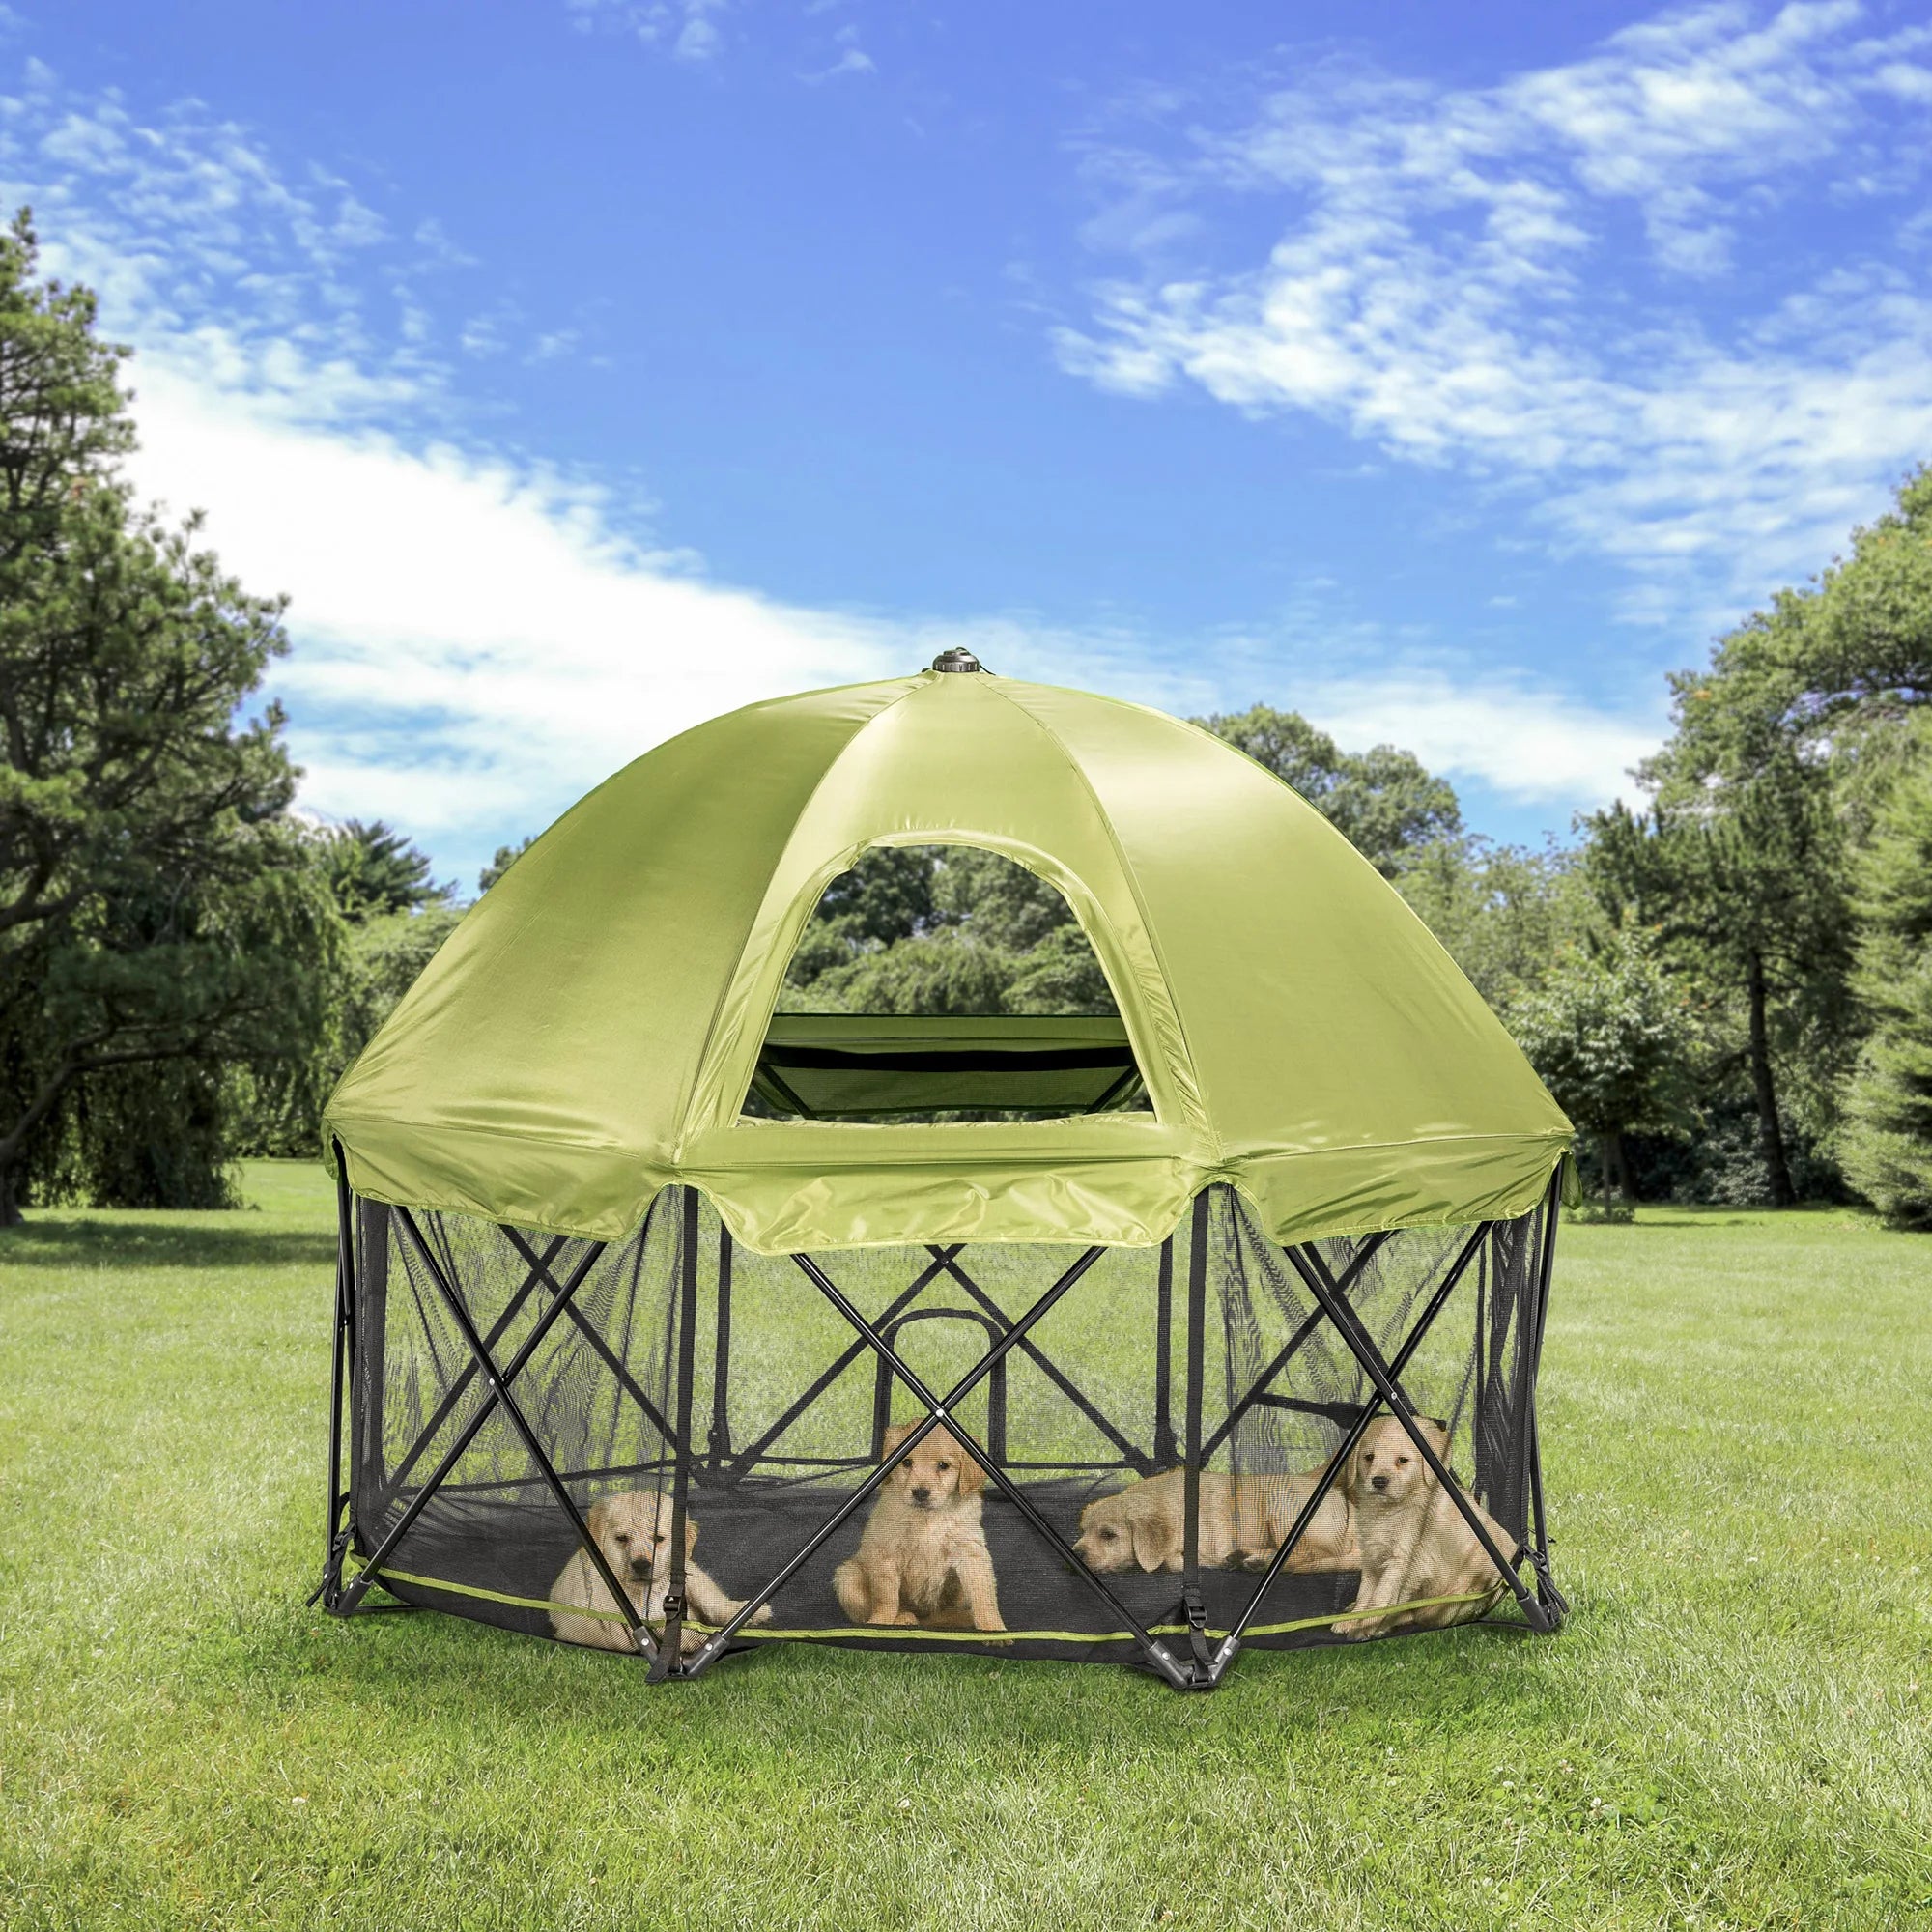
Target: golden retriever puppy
923,1558
632,1530
1244,1521
1415,1540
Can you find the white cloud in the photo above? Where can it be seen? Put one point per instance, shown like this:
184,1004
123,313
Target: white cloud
472,641
1452,284
1530,745
478,640
686,27
854,60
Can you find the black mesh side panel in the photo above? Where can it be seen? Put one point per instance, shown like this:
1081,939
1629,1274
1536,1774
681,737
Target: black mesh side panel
790,1408
594,1392
1505,1366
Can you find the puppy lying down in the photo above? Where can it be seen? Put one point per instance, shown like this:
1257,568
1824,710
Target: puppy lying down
632,1530
1415,1540
923,1558
1244,1520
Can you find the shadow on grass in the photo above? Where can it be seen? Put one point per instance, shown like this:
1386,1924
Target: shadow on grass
72,1241
417,1667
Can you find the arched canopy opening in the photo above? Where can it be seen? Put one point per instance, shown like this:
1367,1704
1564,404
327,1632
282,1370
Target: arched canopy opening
941,983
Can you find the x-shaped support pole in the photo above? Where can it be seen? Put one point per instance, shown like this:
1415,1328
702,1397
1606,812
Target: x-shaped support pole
747,1458
540,1271
1289,1350
1136,1459
460,1388
942,1409
499,1381
1384,1376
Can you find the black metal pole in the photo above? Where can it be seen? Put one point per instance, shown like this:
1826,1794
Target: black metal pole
329,1589
668,1646
539,1272
718,1445
941,1410
1339,1460
1557,1603
1165,1449
1192,1603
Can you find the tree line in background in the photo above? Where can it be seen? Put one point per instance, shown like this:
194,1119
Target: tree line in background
1730,991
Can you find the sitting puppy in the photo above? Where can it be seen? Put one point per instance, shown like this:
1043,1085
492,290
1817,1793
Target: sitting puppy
923,1558
1244,1520
1414,1542
632,1530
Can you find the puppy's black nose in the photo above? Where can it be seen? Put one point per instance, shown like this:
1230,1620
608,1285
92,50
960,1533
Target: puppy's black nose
641,1566
1378,1482
921,1494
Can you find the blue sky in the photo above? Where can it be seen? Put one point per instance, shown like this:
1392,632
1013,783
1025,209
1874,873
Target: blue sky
582,368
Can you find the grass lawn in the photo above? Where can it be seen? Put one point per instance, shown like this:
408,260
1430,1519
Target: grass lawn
1734,1730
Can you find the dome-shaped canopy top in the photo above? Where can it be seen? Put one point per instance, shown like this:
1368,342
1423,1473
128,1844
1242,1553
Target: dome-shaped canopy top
589,1033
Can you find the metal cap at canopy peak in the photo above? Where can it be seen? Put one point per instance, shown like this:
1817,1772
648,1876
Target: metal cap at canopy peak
959,658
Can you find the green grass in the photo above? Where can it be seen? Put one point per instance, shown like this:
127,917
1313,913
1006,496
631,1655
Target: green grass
1732,1731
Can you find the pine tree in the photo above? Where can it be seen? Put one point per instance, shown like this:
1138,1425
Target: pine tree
1887,1139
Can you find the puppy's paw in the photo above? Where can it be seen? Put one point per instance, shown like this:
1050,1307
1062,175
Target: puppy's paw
1255,1559
904,1618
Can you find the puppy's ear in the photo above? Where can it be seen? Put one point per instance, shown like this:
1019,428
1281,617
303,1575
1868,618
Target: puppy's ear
1437,1433
972,1476
596,1517
1153,1540
894,1436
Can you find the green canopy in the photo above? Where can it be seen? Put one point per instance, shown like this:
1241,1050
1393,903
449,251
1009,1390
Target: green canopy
592,1030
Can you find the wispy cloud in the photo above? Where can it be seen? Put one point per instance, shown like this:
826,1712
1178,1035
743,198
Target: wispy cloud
479,637
1567,282
686,28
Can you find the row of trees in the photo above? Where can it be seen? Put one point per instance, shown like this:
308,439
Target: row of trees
1730,990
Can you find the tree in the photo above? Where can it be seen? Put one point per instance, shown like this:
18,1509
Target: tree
373,870
997,899
885,896
1744,880
1610,1032
386,956
1502,912
945,971
156,902
951,929
1381,801
1888,1142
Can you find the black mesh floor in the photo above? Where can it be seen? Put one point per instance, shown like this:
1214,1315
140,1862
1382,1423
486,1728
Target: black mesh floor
520,1550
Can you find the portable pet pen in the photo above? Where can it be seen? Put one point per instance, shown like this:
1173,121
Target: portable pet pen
610,1221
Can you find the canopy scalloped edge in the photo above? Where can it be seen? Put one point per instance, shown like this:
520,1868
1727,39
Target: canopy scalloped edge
1298,1198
